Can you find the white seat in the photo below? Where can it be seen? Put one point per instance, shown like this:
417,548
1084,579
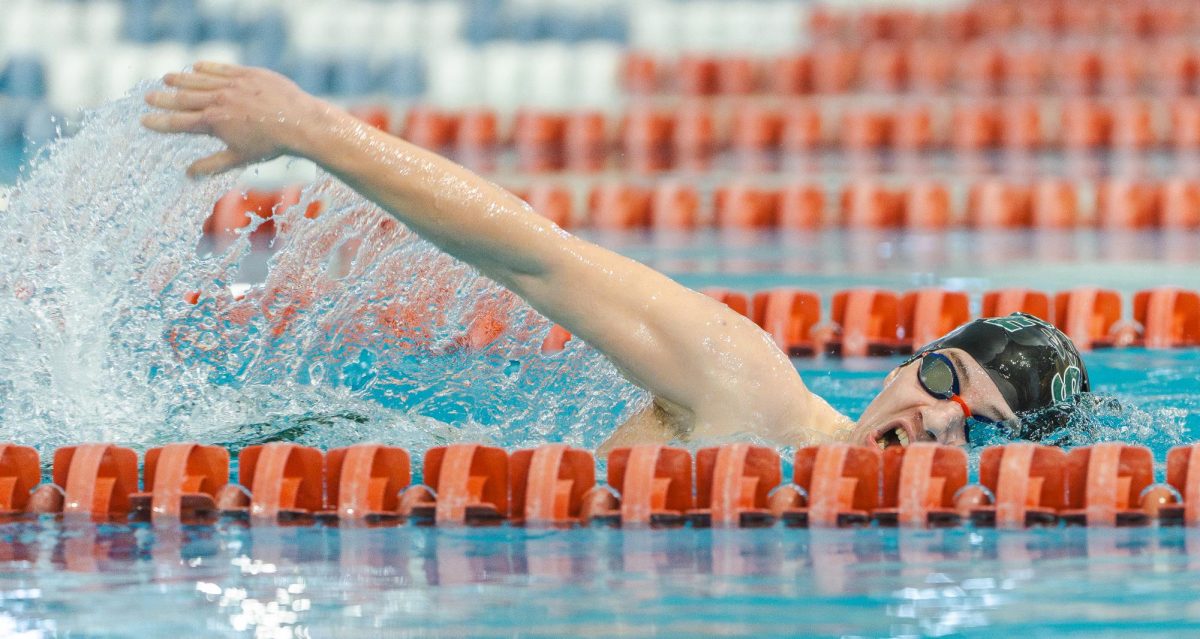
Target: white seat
504,75
596,80
453,76
73,78
549,78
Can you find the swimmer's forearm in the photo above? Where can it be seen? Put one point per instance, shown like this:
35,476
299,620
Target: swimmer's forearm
460,212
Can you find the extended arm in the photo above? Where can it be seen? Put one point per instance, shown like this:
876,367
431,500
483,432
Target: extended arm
701,361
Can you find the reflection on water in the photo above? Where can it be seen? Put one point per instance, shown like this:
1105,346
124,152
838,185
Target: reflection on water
113,580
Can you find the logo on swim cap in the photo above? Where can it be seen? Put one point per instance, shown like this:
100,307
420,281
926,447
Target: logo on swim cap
1014,323
1067,383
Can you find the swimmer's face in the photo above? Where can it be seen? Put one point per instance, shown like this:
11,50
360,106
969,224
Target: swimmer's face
904,412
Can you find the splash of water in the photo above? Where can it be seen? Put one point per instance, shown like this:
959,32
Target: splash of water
114,327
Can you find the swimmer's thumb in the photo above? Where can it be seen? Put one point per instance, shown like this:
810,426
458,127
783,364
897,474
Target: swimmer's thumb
216,163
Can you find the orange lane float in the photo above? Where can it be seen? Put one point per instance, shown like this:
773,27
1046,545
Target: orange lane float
96,481
1089,316
182,482
841,485
868,204
732,486
1183,474
619,207
920,483
1027,485
363,482
654,484
20,472
801,207
866,322
929,313
789,315
926,206
549,485
1169,316
280,482
744,206
1007,301
1105,483
674,206
467,484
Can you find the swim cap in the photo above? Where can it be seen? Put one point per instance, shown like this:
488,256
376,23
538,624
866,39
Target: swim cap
1032,363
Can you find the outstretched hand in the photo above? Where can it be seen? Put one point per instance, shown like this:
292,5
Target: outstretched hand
257,113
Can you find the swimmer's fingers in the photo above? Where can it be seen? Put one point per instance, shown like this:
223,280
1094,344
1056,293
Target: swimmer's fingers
216,68
185,100
179,122
196,81
216,163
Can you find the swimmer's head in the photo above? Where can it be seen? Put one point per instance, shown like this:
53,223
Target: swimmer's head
999,370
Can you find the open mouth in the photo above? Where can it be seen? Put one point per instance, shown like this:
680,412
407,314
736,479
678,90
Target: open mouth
896,435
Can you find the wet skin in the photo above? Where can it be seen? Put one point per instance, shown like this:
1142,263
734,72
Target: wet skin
713,374
905,412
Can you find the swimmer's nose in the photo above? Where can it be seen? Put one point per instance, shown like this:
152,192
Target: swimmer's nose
942,422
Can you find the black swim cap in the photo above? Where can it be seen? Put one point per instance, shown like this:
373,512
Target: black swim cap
1032,363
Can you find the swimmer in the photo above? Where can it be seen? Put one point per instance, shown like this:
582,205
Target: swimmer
712,373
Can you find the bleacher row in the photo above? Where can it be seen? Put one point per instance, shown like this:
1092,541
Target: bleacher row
987,67
735,485
676,205
1008,19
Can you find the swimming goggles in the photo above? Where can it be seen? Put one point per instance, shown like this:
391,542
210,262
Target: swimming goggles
938,377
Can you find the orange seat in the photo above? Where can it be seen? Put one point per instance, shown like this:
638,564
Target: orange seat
801,207
697,75
1133,125
20,472
930,65
789,315
755,127
842,484
1126,204
926,206
919,485
737,75
97,480
556,339
975,126
1105,483
364,481
865,128
1088,316
800,128
868,204
231,212
1185,123
641,73
1170,317
285,480
674,206
646,135
744,206
549,484
981,67
619,207
1026,70
1054,204
552,202
866,321
1028,483
694,136
429,127
1006,301
469,483
1179,204
182,482
884,67
834,68
1020,125
538,137
654,483
1077,69
1175,67
477,130
913,128
732,483
930,313
790,74
994,204
733,299
586,141
1086,124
